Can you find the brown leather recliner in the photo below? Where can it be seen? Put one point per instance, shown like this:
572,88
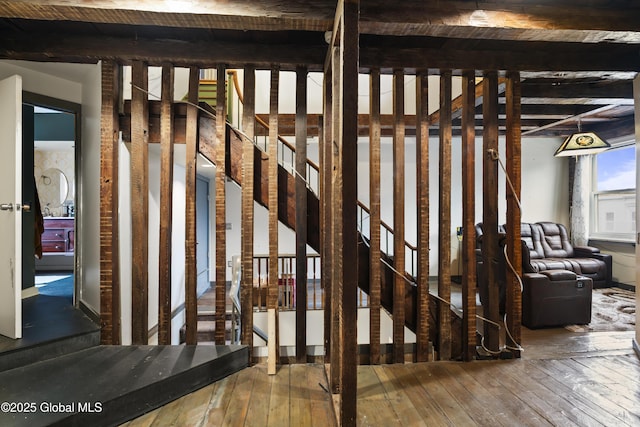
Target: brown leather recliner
546,246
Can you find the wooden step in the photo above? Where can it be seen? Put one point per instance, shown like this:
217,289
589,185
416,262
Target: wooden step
52,327
109,385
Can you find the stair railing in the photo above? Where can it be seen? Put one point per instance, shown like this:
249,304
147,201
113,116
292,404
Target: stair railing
286,157
286,151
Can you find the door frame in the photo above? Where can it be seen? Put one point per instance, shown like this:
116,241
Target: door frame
76,109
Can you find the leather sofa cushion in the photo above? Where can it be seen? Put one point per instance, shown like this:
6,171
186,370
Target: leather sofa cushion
591,267
555,242
530,235
557,275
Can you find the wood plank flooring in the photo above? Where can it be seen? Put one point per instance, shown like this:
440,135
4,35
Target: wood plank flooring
562,379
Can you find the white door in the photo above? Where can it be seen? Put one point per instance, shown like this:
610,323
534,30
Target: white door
10,207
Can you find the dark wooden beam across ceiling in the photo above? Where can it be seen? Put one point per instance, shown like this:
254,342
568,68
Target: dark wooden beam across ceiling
592,22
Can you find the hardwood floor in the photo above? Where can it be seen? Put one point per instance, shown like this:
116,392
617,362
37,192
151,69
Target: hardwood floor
563,379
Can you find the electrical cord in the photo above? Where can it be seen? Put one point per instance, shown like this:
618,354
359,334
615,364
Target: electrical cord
495,155
452,305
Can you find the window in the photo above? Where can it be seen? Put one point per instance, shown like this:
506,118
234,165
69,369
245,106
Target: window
614,195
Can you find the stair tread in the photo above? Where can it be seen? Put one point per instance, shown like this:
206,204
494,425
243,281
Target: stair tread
116,373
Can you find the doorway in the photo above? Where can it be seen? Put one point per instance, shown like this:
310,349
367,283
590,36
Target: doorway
50,161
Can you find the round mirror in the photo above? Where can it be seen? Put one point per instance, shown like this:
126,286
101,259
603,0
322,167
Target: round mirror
53,188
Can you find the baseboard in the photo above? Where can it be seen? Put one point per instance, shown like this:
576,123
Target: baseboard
625,286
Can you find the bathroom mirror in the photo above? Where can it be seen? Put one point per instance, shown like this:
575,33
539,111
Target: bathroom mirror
53,188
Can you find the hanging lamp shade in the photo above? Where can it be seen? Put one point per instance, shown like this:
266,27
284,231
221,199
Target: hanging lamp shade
581,143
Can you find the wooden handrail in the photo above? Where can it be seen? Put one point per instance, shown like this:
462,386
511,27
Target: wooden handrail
236,84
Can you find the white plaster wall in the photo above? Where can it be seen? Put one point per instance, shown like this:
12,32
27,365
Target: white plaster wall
89,213
41,82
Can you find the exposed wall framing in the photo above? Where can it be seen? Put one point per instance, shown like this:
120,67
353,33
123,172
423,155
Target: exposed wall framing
166,205
468,216
191,272
444,231
422,216
140,203
375,266
398,217
301,214
109,200
248,153
221,204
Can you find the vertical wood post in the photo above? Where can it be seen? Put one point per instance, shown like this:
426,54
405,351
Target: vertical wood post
336,224
221,205
398,216
139,204
246,288
490,207
301,214
109,229
468,216
272,296
349,53
326,192
444,229
191,271
166,211
514,248
422,214
375,266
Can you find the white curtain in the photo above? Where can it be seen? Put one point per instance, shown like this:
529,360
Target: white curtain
580,202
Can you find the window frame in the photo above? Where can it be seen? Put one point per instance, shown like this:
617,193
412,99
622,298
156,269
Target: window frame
594,233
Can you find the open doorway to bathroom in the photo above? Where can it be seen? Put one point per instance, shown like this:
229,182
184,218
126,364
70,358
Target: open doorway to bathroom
50,151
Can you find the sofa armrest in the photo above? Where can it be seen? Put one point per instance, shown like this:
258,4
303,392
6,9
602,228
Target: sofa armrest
526,259
608,260
585,251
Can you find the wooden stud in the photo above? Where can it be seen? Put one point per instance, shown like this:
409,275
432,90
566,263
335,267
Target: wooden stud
375,265
246,287
444,219
468,216
139,204
191,271
301,214
166,211
109,229
336,224
272,296
326,235
422,215
514,248
398,216
221,205
490,207
349,54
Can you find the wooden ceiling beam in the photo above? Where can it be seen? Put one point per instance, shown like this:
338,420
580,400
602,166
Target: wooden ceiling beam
578,89
526,56
205,54
611,21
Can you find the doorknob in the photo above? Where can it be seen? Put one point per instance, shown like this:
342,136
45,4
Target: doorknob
6,206
9,207
25,207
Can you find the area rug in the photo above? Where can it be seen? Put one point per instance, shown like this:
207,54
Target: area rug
612,309
58,288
